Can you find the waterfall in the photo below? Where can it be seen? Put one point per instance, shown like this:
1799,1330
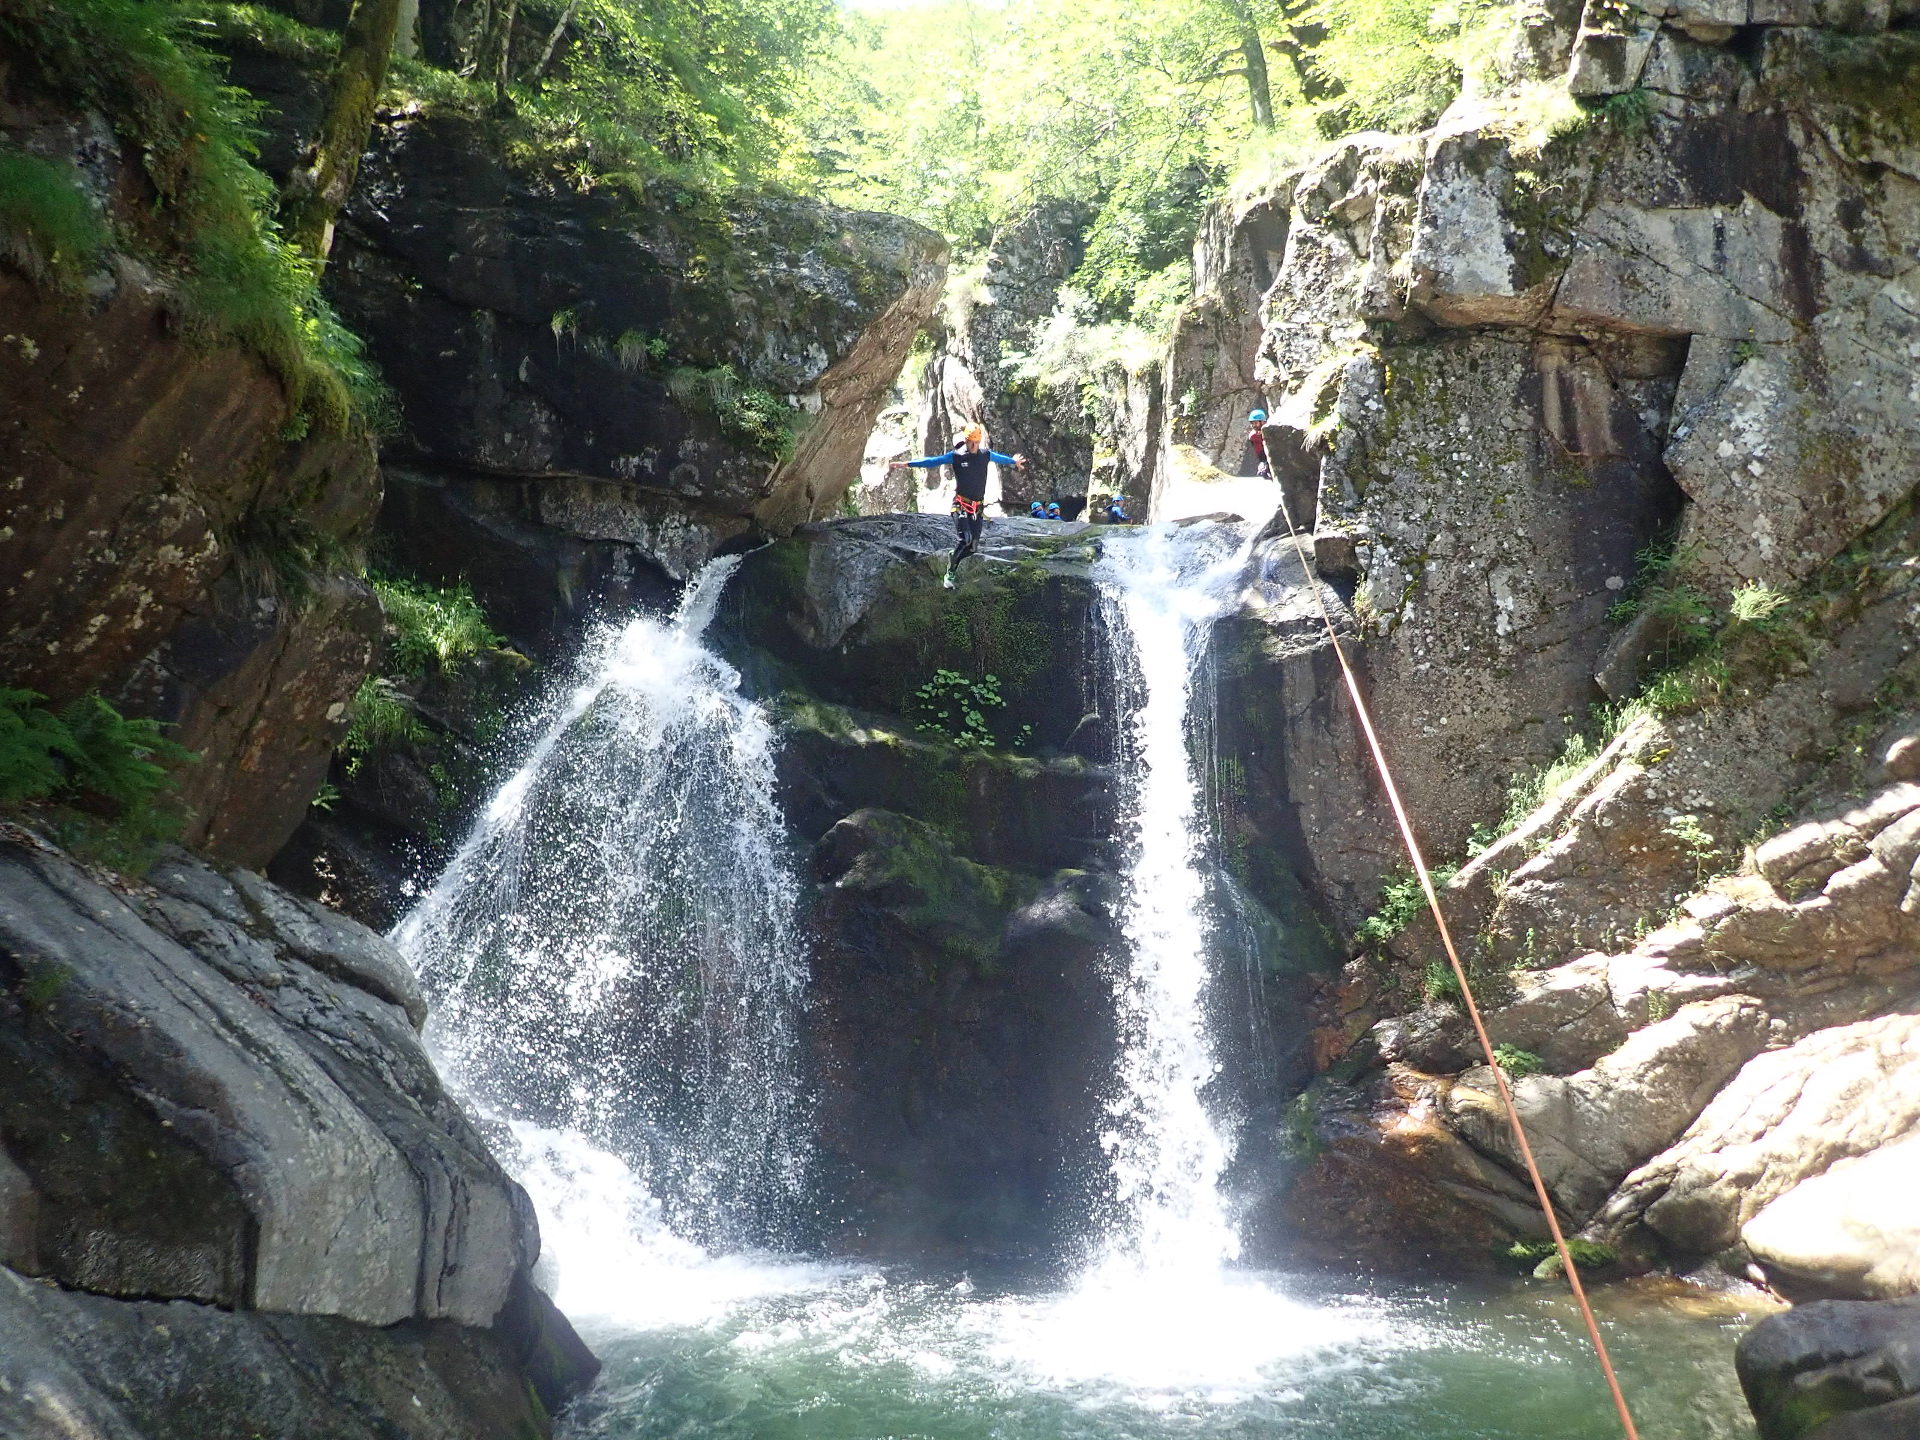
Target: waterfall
1160,593
613,955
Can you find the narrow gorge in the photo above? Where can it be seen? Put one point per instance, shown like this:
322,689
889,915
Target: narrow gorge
540,895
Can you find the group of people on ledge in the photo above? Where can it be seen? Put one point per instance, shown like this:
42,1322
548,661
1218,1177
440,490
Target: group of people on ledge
970,458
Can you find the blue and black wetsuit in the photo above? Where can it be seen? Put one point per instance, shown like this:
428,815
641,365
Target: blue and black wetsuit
969,492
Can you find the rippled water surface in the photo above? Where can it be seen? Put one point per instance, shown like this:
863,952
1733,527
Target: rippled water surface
825,1354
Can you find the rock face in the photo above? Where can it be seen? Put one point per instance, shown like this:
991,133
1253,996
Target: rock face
966,942
265,1134
557,358
1834,1370
996,324
1499,363
162,541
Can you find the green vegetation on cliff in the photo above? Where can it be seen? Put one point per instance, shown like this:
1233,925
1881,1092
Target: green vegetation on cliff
109,779
207,229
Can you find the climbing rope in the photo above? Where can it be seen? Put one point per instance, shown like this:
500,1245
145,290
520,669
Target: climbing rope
1460,974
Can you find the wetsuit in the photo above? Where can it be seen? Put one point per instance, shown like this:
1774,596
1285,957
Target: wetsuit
969,492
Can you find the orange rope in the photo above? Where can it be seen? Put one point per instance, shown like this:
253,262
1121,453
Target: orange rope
1460,973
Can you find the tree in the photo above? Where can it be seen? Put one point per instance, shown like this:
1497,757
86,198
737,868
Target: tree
317,189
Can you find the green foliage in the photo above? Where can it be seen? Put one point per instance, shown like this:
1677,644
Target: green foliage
110,774
702,95
1401,899
1541,1258
1440,983
1517,1063
116,759
34,748
1630,111
958,709
213,239
278,550
749,415
1530,791
381,716
1659,1006
48,223
1697,844
1758,605
432,627
639,351
1396,64
258,27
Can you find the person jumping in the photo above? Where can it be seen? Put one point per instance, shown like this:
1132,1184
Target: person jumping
969,460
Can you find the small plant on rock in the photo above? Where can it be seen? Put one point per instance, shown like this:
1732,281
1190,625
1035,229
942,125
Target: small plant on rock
1517,1063
959,709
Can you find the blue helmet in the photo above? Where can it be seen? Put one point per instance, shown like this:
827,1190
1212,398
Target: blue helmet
1257,417
1053,509
1037,510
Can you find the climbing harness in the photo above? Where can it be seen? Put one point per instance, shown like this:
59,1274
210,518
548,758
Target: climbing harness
969,508
1460,974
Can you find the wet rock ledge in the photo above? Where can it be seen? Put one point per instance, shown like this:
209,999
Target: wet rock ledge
274,1220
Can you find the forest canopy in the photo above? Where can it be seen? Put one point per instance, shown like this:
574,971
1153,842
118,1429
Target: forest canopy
961,112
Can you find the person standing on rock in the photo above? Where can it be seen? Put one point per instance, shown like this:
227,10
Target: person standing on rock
1257,437
969,460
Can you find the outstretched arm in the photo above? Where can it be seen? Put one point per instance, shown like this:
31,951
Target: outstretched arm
999,459
931,461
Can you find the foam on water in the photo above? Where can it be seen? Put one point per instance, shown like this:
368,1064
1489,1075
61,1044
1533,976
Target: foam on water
613,1262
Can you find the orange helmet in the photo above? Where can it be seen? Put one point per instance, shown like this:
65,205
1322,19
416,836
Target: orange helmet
975,435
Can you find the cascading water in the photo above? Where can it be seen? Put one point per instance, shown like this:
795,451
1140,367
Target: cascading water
1160,594
616,968
613,953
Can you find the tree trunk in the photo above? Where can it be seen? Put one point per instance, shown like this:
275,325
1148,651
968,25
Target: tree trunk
1258,90
496,47
318,187
553,40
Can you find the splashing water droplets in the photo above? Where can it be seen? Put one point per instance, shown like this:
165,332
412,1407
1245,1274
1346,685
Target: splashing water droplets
614,950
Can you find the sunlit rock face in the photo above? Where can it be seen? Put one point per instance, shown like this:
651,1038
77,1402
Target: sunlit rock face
994,323
264,1134
1501,360
554,355
174,533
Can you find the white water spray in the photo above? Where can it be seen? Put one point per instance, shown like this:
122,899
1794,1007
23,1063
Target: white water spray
1161,593
613,954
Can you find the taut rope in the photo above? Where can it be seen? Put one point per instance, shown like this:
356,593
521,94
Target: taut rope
1460,973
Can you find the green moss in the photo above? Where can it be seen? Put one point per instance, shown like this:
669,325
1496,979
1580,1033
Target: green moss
958,903
50,224
1542,1258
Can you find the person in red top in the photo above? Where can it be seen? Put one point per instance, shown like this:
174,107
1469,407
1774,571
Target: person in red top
1257,437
